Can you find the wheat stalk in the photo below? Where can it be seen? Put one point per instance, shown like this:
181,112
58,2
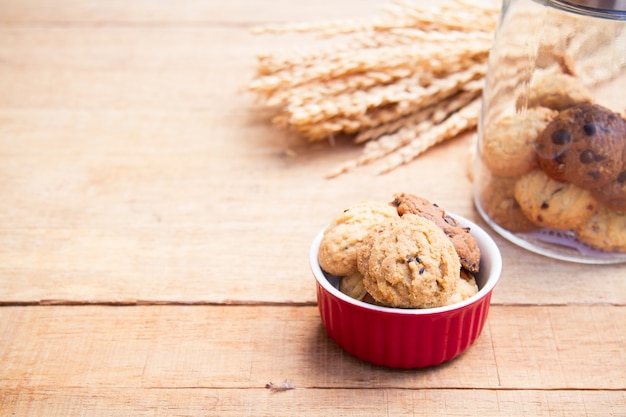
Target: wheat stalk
409,130
457,123
394,81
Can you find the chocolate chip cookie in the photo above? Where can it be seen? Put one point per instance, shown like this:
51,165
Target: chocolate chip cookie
583,145
463,242
554,204
497,199
409,263
344,235
613,195
605,230
508,146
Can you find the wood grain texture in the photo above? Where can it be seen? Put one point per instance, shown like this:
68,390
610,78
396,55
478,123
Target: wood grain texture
163,224
258,402
185,13
522,347
216,360
135,169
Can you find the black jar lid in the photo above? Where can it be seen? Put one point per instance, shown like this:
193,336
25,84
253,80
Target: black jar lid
598,5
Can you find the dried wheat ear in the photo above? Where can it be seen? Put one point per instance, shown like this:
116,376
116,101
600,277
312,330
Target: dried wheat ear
400,83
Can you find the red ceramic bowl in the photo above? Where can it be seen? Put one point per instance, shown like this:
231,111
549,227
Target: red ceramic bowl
407,338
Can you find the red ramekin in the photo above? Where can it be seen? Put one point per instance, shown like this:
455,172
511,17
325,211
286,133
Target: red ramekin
408,338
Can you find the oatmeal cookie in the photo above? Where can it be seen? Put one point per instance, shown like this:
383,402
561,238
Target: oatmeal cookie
409,263
464,243
498,201
606,230
554,204
583,145
554,90
508,146
343,237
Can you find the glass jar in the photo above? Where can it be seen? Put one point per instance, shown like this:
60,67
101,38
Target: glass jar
550,170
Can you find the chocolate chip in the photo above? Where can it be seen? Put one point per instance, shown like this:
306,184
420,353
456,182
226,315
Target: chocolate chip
621,177
410,259
590,129
594,174
544,205
449,220
560,137
421,271
588,156
560,158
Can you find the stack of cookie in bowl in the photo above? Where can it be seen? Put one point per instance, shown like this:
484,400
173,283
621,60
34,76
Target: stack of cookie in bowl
404,284
408,253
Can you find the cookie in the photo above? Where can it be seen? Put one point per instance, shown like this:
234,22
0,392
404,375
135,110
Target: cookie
583,145
605,230
554,204
465,288
497,199
613,195
554,90
409,263
508,146
548,56
343,236
352,286
464,243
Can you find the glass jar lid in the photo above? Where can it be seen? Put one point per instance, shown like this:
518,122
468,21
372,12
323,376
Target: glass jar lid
599,5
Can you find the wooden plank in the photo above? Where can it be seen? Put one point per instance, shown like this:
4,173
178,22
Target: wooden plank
218,347
187,265
258,402
109,206
132,171
187,12
114,68
149,211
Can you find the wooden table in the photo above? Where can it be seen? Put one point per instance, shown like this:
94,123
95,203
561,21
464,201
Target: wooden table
155,231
